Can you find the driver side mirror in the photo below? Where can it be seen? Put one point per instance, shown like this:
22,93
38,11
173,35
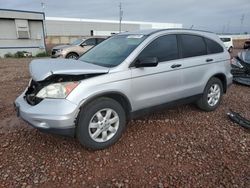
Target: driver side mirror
147,62
83,44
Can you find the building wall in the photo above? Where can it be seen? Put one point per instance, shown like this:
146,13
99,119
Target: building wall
9,41
73,28
66,30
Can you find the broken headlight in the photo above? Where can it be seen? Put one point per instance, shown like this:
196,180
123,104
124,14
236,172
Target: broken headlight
57,90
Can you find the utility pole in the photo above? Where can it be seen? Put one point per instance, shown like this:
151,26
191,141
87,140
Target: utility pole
241,23
44,23
120,17
44,26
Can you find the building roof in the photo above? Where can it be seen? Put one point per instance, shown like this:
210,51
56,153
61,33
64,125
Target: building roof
21,14
108,21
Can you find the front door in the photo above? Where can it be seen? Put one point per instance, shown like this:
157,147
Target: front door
161,84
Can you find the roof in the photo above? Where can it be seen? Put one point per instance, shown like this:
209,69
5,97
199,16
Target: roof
108,21
153,31
21,14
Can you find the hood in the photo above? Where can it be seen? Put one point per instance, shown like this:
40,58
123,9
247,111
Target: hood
61,46
245,56
42,68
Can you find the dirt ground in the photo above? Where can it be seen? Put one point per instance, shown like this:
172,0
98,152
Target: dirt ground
180,147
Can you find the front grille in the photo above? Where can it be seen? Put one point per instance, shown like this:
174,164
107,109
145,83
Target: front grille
53,52
30,95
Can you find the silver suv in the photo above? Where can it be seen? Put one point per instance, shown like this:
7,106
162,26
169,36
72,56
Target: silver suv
76,48
125,76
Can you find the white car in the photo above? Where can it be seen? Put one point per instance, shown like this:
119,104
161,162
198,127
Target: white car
228,42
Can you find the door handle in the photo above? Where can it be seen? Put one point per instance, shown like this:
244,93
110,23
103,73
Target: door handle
175,66
209,60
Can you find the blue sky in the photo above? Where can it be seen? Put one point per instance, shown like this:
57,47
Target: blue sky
216,16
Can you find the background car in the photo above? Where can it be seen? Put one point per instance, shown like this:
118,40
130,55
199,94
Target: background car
247,45
228,42
76,48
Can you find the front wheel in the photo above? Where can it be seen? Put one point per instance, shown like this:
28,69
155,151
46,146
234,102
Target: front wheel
211,96
100,123
72,55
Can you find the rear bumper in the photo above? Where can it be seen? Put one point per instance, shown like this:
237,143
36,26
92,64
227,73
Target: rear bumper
57,116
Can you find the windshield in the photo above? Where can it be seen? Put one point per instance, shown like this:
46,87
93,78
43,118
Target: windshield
112,51
76,42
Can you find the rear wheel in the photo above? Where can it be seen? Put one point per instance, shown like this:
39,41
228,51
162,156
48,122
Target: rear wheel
100,123
72,55
212,95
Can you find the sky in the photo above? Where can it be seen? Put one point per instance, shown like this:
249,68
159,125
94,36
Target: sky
227,16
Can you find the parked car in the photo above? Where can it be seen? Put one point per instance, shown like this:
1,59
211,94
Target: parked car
122,78
241,68
76,48
228,42
247,45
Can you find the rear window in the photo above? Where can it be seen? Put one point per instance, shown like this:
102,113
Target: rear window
192,45
225,39
213,47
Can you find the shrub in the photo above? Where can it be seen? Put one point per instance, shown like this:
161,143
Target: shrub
19,54
42,54
9,55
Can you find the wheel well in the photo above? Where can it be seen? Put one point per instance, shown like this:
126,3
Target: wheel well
122,99
223,79
72,53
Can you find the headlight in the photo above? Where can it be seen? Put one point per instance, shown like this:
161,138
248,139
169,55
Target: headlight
57,90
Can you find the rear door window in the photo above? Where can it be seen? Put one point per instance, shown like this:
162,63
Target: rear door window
164,48
192,45
213,47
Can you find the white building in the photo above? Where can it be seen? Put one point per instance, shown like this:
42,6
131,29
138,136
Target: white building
26,31
64,30
21,31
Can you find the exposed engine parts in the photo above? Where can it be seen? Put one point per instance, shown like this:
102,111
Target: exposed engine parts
241,68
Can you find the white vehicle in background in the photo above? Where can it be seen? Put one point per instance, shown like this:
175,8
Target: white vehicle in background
228,42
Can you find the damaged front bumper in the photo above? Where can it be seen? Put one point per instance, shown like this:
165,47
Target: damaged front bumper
56,116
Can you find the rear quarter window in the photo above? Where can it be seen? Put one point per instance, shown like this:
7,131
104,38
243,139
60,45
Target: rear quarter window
192,45
225,39
213,47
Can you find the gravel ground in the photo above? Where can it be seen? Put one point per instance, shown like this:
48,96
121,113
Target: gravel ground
180,147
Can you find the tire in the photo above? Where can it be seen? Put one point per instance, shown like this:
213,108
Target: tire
72,55
89,116
207,103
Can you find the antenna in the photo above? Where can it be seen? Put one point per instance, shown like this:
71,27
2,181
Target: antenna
120,16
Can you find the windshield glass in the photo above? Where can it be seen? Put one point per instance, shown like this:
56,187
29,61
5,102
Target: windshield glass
112,51
76,42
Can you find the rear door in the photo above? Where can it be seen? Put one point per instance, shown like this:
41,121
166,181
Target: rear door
197,60
156,85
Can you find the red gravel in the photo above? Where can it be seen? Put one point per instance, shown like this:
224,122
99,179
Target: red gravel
181,147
